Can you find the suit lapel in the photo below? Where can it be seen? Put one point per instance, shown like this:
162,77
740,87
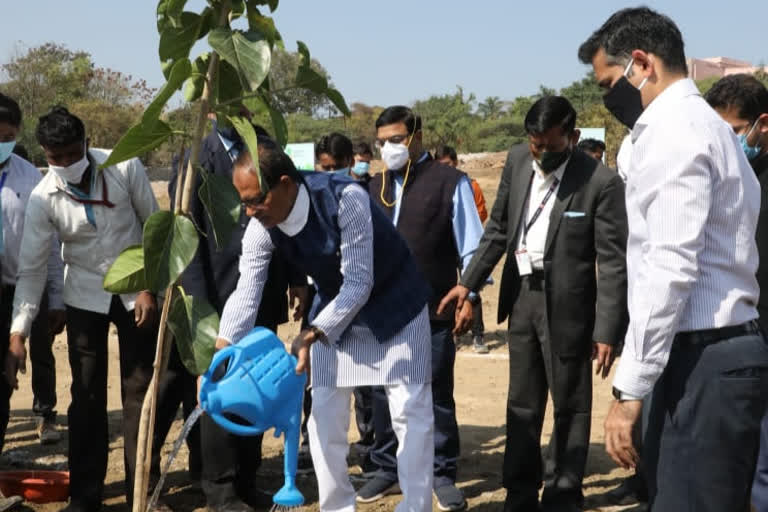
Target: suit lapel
521,184
563,198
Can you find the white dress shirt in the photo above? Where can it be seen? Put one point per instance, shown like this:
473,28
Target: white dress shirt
624,157
22,177
536,239
692,206
87,250
353,356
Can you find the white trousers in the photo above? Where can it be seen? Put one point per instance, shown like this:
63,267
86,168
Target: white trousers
412,420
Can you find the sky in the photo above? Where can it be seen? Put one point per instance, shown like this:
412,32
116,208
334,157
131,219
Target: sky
397,51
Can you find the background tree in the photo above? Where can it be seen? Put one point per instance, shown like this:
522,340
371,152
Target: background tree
446,119
491,107
290,100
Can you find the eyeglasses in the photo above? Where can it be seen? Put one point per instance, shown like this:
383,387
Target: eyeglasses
253,202
395,139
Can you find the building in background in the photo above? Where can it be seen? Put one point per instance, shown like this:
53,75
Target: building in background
698,69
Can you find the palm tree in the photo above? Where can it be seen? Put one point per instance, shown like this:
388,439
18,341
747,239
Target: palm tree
491,108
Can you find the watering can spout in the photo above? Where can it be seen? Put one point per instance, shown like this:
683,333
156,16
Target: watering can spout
251,387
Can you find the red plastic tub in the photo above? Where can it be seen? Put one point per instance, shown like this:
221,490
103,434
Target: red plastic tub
36,486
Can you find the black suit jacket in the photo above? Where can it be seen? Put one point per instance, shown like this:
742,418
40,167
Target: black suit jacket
761,168
214,272
584,259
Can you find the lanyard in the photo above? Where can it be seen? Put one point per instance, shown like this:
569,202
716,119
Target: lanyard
538,211
2,180
85,199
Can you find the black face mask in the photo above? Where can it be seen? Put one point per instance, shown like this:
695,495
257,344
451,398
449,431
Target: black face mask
624,102
550,160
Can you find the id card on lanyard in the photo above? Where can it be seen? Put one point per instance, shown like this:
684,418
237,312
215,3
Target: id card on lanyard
522,256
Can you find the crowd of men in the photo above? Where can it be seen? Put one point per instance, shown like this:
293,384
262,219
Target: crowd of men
658,261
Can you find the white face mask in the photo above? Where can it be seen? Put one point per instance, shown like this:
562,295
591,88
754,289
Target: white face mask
72,173
395,156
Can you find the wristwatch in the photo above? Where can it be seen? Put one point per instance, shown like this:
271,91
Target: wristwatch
473,298
319,334
622,396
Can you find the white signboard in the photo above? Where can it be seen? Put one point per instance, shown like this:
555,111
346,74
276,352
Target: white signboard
302,155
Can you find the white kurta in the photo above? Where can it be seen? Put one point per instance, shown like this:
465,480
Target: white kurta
353,356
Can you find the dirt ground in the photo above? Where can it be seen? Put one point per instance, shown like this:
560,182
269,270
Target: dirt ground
481,383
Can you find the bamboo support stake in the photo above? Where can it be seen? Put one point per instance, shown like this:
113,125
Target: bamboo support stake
149,406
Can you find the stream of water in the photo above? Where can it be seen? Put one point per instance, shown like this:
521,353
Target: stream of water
175,451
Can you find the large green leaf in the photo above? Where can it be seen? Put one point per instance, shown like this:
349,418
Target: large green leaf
245,130
195,325
227,84
176,42
279,125
338,100
248,52
193,87
169,13
170,243
180,71
126,275
304,60
222,204
138,140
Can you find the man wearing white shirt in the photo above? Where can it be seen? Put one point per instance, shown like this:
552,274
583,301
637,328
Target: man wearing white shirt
693,340
17,179
96,213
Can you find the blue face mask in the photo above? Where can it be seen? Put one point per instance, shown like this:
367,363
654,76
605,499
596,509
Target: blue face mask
6,148
752,152
361,168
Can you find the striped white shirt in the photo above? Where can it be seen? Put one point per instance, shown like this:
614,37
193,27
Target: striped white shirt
692,206
353,355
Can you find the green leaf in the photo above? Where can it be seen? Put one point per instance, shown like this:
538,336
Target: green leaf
193,87
169,13
167,66
180,71
338,100
126,275
271,3
279,125
222,204
308,78
305,61
264,25
237,9
248,52
170,243
176,42
227,84
195,325
207,21
246,131
138,140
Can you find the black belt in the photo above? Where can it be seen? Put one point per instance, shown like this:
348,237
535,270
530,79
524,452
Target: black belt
709,336
536,279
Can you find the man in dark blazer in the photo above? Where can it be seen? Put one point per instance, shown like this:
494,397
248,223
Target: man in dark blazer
560,219
229,462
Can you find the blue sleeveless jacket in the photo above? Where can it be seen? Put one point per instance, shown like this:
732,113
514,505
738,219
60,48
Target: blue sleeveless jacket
399,291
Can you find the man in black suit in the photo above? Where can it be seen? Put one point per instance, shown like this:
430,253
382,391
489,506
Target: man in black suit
229,462
559,217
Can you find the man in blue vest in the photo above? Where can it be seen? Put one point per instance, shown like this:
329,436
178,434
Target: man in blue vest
368,326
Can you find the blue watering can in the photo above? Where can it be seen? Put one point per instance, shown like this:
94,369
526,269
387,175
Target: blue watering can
251,387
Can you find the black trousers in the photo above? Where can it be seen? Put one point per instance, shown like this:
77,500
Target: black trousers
383,452
87,333
478,327
704,427
364,414
41,354
535,369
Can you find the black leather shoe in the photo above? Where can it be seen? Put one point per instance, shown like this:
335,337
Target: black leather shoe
258,499
518,503
632,490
